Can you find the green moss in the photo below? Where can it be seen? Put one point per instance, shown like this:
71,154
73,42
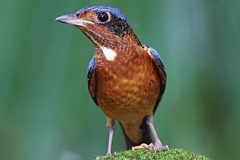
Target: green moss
176,154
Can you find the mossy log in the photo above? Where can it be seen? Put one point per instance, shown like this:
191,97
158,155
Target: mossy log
142,154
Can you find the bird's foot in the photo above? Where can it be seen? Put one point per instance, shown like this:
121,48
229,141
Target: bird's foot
158,146
143,146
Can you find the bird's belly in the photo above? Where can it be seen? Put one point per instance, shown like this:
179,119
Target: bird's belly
128,97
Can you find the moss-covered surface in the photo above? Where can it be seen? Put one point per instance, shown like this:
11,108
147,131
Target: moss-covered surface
176,154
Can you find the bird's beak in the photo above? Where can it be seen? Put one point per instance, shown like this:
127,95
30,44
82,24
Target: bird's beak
73,20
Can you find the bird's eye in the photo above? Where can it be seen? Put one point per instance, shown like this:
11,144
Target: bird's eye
103,17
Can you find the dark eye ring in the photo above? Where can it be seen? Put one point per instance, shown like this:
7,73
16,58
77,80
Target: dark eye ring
103,16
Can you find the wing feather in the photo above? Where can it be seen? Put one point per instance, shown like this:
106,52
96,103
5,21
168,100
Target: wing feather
91,79
161,72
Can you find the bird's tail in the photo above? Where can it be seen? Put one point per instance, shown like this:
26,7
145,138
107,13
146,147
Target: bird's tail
144,135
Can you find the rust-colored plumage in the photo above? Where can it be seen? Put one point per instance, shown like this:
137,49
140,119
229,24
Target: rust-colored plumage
125,78
123,93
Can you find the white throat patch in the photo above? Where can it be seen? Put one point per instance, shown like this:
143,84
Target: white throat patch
109,53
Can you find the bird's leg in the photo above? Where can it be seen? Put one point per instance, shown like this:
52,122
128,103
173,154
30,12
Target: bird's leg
158,144
111,128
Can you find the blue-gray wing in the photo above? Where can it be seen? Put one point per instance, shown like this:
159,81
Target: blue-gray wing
161,72
91,79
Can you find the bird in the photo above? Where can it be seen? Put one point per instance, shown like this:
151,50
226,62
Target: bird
126,78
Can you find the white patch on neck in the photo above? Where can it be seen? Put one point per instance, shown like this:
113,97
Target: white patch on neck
109,53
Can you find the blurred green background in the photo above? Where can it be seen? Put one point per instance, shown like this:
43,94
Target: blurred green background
46,112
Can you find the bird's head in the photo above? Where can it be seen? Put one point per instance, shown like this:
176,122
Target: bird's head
104,26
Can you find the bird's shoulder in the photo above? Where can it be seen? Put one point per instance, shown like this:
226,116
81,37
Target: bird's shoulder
156,58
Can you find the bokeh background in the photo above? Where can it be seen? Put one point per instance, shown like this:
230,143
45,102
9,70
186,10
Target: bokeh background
46,112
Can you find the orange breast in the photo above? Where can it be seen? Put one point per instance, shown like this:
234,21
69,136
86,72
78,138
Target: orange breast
127,87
